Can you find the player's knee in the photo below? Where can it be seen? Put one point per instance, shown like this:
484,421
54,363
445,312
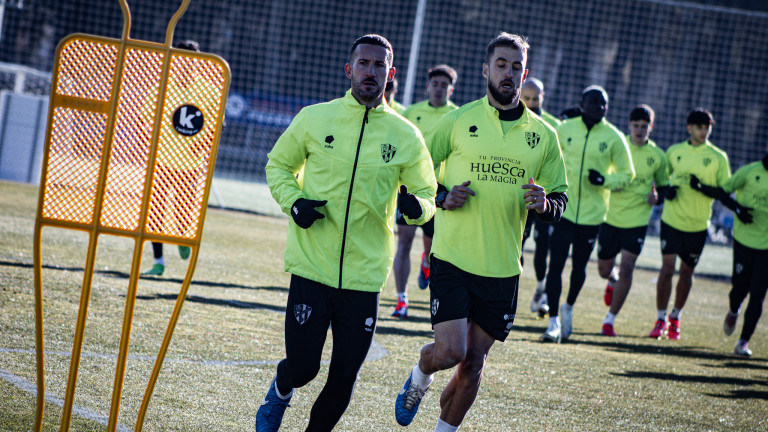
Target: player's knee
303,376
472,366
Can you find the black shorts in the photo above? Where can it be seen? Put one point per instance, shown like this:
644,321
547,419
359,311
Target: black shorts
611,240
686,245
428,227
455,294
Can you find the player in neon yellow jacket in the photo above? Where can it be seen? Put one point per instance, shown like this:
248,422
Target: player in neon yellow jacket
685,216
629,209
597,160
389,94
750,245
350,154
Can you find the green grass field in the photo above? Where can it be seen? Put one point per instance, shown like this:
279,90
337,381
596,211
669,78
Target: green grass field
229,338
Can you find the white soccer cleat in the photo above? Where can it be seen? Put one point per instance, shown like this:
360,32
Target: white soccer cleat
553,332
742,349
729,324
536,300
543,306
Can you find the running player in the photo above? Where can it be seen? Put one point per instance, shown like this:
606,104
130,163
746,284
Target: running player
440,83
597,161
352,154
501,160
628,211
750,245
685,216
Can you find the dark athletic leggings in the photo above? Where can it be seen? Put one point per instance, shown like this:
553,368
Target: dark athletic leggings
311,308
750,276
566,234
157,250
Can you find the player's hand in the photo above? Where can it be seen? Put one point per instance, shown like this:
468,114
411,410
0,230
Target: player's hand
535,197
457,196
696,183
596,178
408,204
304,214
672,192
653,196
743,214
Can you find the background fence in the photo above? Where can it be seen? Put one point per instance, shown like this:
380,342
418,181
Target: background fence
285,54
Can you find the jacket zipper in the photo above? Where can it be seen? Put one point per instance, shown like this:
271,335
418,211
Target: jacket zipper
349,196
581,174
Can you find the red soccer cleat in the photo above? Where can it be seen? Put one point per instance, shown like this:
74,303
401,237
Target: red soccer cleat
608,296
674,329
608,330
659,330
401,310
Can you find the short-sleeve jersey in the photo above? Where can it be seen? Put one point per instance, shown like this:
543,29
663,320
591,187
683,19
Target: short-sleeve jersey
691,210
750,183
484,236
424,115
628,207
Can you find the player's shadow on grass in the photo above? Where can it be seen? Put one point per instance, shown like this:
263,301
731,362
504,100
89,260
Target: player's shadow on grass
124,275
704,379
399,331
673,349
214,301
742,394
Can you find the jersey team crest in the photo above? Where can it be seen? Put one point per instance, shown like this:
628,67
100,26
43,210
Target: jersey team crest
388,152
532,138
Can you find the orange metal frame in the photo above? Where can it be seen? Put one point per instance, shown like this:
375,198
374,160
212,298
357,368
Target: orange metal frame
117,163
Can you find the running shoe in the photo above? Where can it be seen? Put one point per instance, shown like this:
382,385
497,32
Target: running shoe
423,273
608,295
659,330
184,252
156,270
566,321
270,414
407,402
729,324
536,300
608,330
553,332
674,329
742,349
543,306
401,310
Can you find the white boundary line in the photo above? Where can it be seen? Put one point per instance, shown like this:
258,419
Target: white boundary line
85,413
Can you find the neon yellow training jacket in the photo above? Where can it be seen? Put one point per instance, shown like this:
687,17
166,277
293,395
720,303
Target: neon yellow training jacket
601,148
355,158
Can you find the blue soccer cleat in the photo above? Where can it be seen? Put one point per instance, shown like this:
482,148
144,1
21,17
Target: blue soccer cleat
270,414
407,402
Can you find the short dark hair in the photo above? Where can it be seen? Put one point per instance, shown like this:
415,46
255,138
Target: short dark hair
188,44
374,39
594,89
444,70
507,40
700,116
642,112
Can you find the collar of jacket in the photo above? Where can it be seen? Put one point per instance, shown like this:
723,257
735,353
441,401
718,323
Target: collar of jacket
494,112
351,102
599,124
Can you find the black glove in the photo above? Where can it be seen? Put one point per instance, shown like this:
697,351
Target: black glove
743,214
696,184
304,214
596,178
672,192
408,204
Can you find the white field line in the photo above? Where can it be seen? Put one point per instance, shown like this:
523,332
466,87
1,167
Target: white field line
31,388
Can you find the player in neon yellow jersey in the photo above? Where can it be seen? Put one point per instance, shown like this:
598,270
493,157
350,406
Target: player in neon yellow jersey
532,94
685,217
501,160
750,245
628,212
440,84
597,161
389,94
